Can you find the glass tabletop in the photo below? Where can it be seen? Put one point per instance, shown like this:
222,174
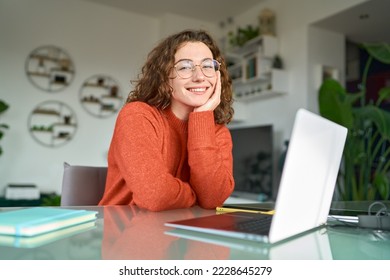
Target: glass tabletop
127,232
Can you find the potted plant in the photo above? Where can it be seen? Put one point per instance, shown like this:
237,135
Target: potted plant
3,107
243,35
365,168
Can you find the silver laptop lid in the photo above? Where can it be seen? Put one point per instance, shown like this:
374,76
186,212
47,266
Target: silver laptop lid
309,175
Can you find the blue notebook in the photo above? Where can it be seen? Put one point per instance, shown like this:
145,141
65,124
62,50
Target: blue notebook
45,238
39,220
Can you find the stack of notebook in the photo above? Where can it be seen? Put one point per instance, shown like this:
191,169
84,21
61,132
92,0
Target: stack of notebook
32,227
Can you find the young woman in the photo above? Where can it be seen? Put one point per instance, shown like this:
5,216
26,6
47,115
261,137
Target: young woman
171,147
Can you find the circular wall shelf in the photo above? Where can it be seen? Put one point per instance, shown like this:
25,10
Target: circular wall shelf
50,68
52,123
100,96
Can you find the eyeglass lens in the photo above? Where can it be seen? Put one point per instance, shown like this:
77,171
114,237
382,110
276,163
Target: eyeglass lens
185,68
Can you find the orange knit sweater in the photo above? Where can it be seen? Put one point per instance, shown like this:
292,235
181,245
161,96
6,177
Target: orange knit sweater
158,162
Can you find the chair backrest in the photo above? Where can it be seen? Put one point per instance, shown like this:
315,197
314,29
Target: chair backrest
82,185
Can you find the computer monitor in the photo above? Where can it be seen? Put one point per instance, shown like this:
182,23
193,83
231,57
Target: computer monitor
253,162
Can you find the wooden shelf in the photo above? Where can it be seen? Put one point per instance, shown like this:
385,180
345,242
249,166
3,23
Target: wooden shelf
91,101
64,124
62,70
46,112
41,131
96,85
46,75
45,57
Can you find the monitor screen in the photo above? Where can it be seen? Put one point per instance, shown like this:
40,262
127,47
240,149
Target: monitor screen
253,162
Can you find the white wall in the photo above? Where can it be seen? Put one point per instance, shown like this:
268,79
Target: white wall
100,40
171,23
325,49
103,40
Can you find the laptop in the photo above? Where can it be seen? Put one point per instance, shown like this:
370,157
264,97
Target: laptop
305,191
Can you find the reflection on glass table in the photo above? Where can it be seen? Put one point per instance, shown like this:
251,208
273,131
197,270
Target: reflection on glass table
128,232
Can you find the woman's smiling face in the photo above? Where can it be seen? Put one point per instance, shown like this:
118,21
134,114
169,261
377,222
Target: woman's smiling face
192,92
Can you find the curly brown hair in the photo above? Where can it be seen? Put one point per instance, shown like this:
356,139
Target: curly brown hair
152,86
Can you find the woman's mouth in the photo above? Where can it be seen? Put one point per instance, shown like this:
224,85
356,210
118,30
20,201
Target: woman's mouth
198,90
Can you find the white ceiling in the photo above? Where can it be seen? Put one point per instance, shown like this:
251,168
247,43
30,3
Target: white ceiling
367,22
215,11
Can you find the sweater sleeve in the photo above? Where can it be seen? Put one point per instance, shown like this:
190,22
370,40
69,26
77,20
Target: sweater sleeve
136,149
210,159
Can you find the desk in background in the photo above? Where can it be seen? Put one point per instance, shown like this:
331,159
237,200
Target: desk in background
127,232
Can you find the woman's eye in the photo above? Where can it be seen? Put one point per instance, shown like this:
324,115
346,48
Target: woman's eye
184,66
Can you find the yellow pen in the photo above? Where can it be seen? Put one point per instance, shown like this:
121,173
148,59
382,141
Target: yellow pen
230,210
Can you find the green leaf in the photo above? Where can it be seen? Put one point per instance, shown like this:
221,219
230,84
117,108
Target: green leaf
3,125
3,106
371,194
335,104
380,51
378,116
382,184
369,132
384,94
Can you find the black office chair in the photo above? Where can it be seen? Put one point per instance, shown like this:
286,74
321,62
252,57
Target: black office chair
82,185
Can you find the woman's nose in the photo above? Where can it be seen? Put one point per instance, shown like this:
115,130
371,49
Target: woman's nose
197,73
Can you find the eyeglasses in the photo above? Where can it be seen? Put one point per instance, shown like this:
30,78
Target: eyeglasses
185,68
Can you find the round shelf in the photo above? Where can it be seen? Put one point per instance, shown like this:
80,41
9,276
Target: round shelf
50,68
52,123
100,96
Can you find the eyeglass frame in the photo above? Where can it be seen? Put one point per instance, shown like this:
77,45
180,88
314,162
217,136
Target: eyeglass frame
215,63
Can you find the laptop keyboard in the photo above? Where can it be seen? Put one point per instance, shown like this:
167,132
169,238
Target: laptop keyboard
258,225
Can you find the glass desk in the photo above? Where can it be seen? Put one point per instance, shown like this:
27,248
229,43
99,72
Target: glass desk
127,232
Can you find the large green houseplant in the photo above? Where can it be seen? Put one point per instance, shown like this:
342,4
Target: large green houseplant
3,107
364,172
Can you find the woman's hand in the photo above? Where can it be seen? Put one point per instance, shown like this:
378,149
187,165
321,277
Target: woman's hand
214,99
